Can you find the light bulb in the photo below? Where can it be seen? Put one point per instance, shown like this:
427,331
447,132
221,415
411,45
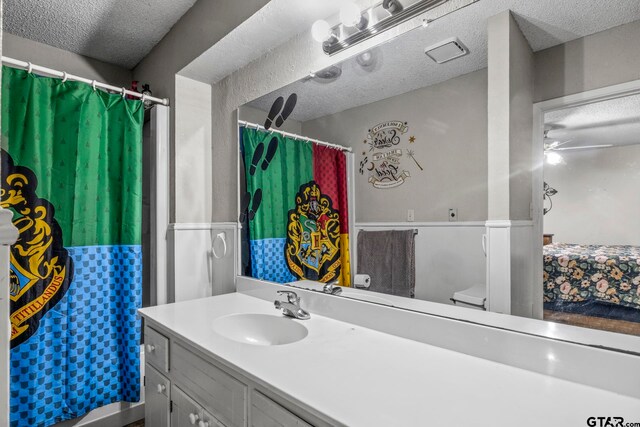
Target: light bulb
320,30
553,158
350,14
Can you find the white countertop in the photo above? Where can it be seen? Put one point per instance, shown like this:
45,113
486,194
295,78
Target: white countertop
361,377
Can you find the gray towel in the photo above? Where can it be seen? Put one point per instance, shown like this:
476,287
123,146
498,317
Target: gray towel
389,258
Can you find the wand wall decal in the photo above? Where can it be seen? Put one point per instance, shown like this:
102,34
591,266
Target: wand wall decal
410,153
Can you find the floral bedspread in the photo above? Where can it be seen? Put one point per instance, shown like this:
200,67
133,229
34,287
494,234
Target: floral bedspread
580,273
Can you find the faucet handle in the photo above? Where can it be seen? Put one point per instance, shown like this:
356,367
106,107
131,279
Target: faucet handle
292,297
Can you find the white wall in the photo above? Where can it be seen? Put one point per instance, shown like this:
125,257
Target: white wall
598,200
449,121
195,271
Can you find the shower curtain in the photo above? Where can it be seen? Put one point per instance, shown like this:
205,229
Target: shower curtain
71,174
298,224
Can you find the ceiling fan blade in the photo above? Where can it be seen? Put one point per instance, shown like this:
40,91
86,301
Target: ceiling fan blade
583,147
560,144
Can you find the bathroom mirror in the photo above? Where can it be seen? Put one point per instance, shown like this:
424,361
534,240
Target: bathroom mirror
412,117
591,270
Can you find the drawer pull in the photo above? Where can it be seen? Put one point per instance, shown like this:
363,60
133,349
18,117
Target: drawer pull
193,418
161,388
203,424
151,348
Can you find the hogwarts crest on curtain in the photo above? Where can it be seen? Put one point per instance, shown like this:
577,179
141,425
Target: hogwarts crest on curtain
299,229
71,175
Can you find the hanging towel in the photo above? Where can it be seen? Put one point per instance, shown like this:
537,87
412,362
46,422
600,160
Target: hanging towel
389,258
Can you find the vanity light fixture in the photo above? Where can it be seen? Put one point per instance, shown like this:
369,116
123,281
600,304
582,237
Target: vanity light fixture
352,16
392,6
358,26
321,32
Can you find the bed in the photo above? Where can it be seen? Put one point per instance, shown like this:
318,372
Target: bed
592,279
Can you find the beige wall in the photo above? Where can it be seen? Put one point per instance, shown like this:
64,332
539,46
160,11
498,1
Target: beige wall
598,199
498,116
449,121
58,59
599,60
510,151
521,90
201,27
193,153
254,115
510,120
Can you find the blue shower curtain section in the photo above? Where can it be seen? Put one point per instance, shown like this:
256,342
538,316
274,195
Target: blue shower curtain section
85,353
53,374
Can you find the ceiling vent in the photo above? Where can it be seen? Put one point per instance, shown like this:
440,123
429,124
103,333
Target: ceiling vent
446,50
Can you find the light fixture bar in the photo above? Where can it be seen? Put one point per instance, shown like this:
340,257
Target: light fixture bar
379,19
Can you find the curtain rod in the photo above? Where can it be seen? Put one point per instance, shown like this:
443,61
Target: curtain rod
294,136
15,63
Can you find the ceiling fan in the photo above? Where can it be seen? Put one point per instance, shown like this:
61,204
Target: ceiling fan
554,145
552,148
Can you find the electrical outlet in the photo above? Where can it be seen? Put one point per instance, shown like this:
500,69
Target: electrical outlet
411,215
453,215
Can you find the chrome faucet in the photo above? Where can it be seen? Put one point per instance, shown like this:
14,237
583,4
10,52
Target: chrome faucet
332,288
291,307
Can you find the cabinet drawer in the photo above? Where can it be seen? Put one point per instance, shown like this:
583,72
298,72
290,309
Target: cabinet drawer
157,389
156,349
218,392
267,413
185,412
209,420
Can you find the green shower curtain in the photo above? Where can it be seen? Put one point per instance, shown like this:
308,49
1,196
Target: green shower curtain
71,175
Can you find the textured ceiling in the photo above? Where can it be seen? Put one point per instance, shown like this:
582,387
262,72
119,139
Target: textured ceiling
615,121
402,65
273,25
120,32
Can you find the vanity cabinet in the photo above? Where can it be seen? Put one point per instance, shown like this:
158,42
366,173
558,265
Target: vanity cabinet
185,388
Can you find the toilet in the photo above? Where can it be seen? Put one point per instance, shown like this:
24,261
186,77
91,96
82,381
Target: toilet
474,297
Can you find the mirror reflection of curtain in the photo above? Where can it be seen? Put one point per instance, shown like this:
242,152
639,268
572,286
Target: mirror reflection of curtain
298,228
71,174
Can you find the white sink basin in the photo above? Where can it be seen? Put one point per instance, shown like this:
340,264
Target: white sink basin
259,329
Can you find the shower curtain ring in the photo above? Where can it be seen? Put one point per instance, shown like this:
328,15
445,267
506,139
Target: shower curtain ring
143,98
29,67
65,76
124,92
93,85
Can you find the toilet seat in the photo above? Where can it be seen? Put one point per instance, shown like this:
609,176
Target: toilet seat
475,296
